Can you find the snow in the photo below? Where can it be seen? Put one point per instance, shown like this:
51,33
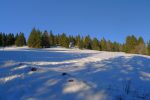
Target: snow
89,74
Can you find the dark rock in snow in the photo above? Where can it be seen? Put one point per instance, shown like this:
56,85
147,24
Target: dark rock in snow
71,80
20,64
63,74
33,69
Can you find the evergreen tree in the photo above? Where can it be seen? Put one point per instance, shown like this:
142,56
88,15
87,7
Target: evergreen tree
80,44
64,41
78,40
109,46
148,47
87,42
131,43
16,36
34,40
37,39
103,44
52,39
72,40
140,48
4,40
95,44
1,39
116,46
45,40
57,40
10,39
17,40
127,44
20,39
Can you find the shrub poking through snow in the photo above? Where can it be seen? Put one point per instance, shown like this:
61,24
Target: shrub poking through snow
33,69
63,74
20,64
71,80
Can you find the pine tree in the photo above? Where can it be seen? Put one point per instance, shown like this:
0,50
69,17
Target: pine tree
4,40
81,44
34,40
45,42
52,39
148,47
10,39
57,39
1,39
64,41
72,40
127,44
131,43
77,39
116,46
109,46
95,44
23,38
103,44
140,48
87,42
20,40
16,36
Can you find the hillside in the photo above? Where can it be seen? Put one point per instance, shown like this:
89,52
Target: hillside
73,74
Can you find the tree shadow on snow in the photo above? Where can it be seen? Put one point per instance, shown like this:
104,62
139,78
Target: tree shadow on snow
39,55
116,73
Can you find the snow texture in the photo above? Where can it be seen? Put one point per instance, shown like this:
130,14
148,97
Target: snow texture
72,74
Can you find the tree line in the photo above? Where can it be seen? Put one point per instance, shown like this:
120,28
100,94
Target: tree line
39,39
11,39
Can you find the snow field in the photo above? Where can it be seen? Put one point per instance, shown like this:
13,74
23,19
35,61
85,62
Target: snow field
90,75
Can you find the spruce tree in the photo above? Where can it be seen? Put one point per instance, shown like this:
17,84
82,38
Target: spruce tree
56,40
20,40
45,42
16,36
103,44
95,44
80,44
1,39
131,43
77,39
4,40
17,41
109,46
87,42
23,39
148,47
140,48
52,39
34,40
116,46
10,39
72,39
64,41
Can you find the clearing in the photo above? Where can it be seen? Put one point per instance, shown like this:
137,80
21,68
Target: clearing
72,74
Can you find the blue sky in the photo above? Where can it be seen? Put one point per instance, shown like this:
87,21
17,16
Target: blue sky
112,19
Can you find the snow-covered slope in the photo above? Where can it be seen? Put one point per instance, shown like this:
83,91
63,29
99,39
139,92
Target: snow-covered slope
72,74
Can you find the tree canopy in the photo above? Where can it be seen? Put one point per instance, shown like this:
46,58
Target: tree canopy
39,39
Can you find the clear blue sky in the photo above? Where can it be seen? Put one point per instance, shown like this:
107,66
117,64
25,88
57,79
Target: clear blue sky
112,19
